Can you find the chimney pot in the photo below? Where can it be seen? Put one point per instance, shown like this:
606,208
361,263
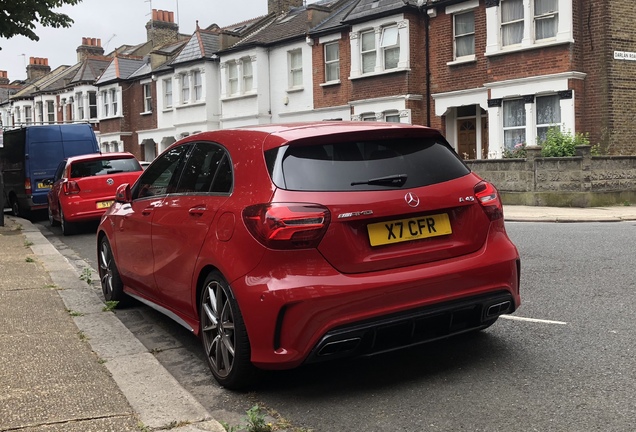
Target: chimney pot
171,17
154,14
99,42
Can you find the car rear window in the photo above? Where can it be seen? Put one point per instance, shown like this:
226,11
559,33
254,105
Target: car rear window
364,165
104,167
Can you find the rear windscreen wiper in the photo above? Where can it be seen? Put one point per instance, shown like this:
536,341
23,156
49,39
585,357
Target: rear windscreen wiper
392,180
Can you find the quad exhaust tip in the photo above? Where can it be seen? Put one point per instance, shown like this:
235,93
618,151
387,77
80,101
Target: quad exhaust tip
339,347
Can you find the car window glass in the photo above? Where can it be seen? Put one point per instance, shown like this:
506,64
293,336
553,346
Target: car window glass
356,166
161,177
223,179
103,167
201,167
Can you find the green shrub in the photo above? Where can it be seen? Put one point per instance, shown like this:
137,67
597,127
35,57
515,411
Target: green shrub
559,144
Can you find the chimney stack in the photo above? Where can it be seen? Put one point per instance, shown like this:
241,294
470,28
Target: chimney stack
4,79
162,29
89,47
37,68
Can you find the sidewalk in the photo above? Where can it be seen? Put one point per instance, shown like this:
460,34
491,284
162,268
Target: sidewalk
68,365
569,214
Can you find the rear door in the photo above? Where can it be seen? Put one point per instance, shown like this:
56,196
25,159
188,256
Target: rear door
393,203
182,222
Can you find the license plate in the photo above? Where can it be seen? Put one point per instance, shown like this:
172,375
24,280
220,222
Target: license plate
44,186
104,204
402,230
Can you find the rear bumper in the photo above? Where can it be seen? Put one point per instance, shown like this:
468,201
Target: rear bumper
83,210
412,327
322,314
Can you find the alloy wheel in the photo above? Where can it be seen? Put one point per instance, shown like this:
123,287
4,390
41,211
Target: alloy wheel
106,264
218,330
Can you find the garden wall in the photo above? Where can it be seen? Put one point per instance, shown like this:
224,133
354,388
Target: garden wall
580,181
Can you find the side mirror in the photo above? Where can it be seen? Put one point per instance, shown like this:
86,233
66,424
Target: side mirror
123,194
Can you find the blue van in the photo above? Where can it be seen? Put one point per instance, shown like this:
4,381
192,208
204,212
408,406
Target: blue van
29,157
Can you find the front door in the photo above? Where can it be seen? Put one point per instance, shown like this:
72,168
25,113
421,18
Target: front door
467,139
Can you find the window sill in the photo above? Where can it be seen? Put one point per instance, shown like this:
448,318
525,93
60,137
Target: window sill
295,89
499,50
330,83
110,117
238,97
186,105
463,60
145,113
375,74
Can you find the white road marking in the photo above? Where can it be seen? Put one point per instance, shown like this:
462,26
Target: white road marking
517,318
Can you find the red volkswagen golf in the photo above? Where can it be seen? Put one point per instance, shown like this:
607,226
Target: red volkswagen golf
280,245
84,187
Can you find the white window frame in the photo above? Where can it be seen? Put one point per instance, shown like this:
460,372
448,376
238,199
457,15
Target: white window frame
232,78
185,88
390,42
50,111
546,126
105,104
79,97
167,93
379,41
92,108
28,115
247,69
538,17
39,109
333,63
197,84
512,22
514,127
369,51
457,36
564,31
147,89
295,68
113,101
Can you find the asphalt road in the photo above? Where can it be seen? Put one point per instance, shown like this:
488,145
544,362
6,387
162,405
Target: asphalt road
565,363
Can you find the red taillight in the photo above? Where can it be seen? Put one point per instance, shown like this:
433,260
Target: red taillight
287,225
488,197
71,187
27,186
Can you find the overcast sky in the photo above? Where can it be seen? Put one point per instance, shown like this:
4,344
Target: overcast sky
118,22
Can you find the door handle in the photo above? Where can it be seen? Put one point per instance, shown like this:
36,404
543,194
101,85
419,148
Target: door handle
197,211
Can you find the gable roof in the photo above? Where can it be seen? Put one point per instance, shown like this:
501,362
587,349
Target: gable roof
202,44
335,20
47,83
90,69
120,68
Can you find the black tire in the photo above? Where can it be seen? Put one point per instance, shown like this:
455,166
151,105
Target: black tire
52,221
68,228
223,335
17,210
112,286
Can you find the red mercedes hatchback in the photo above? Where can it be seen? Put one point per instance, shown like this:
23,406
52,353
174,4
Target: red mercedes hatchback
280,245
84,187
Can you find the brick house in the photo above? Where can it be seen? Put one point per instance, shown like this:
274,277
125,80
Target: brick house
503,71
127,103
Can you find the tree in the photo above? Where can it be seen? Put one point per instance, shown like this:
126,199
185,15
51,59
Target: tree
19,17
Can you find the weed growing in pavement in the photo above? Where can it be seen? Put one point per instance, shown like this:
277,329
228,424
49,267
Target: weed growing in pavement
101,361
74,313
143,428
87,275
28,243
82,336
176,424
29,259
110,306
256,420
627,203
50,286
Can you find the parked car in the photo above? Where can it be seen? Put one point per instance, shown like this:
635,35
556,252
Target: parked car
280,245
84,187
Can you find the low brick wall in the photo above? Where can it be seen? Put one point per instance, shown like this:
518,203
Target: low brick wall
580,181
